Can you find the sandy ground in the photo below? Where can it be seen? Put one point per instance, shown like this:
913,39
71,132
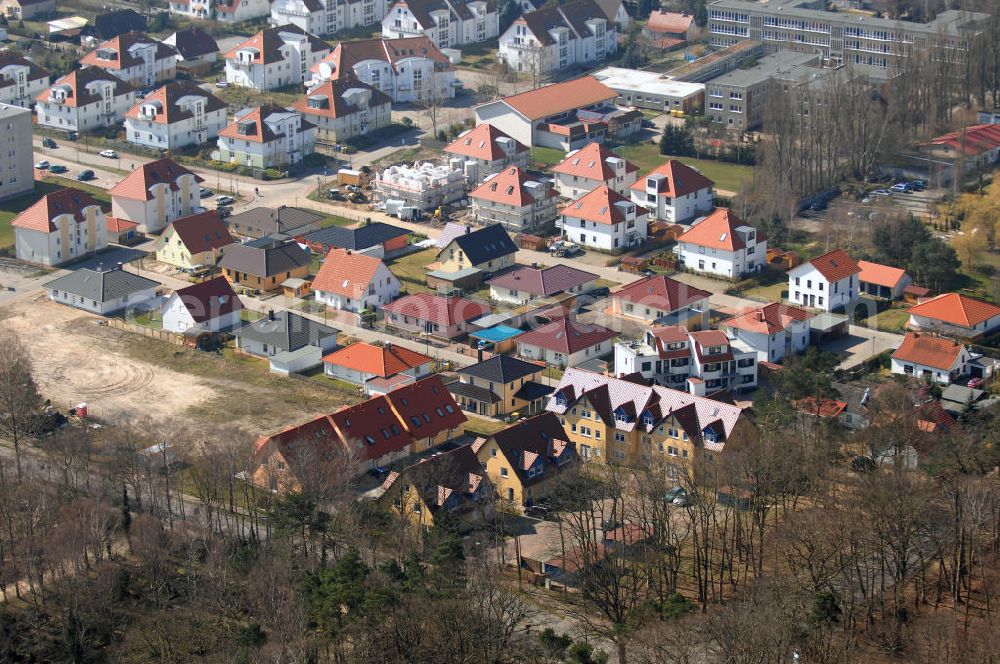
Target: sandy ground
76,361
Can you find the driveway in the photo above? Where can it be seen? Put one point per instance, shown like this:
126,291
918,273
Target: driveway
861,344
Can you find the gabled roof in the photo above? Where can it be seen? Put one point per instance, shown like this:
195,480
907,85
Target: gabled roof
485,244
119,225
971,141
265,257
512,186
209,299
382,361
572,16
602,204
166,100
39,216
929,351
137,184
769,319
566,336
661,293
592,162
718,231
502,369
528,440
329,98
442,476
315,435
833,265
101,285
347,54
255,125
118,47
422,9
202,232
426,407
114,23
440,309
15,59
268,42
372,428
956,309
193,43
76,83
286,331
481,143
675,178
560,97
543,281
880,275
356,239
346,273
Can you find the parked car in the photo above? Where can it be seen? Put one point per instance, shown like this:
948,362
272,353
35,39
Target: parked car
901,188
334,195
678,497
49,143
601,291
57,168
42,165
975,383
110,154
85,175
880,192
918,185
224,200
222,84
224,211
537,511
205,192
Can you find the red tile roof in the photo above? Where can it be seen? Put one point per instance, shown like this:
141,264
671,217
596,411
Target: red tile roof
444,310
318,430
971,141
426,407
371,428
669,22
202,232
119,225
680,179
167,99
718,231
481,143
825,408
136,185
346,273
565,336
209,299
835,265
956,309
929,351
770,318
602,204
509,187
545,281
560,97
120,45
591,162
335,105
383,361
268,42
880,275
39,216
255,127
347,54
77,82
662,293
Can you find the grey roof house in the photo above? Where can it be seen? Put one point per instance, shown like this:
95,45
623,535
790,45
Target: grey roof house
263,221
372,238
264,264
103,291
290,342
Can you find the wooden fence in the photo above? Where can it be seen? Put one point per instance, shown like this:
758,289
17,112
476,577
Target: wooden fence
152,333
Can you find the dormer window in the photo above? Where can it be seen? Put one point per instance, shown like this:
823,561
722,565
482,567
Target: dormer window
246,128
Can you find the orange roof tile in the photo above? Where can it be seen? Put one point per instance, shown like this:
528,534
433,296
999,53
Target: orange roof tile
956,309
591,162
928,351
835,265
560,97
826,408
880,275
136,185
603,205
670,22
383,361
770,318
717,231
346,273
680,179
509,187
39,216
481,143
119,225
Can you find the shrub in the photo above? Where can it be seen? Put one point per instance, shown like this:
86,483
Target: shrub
273,174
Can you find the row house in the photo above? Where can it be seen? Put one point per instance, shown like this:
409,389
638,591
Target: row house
345,108
327,17
828,282
554,38
61,227
697,362
604,219
674,192
135,58
177,115
21,80
664,301
486,151
84,100
224,11
155,194
593,166
409,70
349,281
625,422
722,245
275,57
268,136
515,201
774,331
447,23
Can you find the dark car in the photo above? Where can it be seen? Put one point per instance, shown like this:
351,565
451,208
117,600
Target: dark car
205,192
601,291
224,211
57,168
378,472
49,143
72,135
85,175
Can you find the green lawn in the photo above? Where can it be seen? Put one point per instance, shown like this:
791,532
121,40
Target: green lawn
891,320
334,220
412,268
546,156
726,176
771,293
15,206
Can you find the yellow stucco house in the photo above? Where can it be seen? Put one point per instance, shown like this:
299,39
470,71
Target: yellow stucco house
198,240
501,385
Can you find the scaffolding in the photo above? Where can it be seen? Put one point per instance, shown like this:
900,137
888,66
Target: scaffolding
424,185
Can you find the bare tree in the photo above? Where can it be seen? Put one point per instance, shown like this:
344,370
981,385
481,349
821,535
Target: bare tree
20,401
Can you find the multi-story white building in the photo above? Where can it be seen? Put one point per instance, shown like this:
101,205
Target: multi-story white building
61,227
424,185
722,245
224,11
604,219
176,115
590,167
354,282
21,80
345,108
697,362
135,58
828,282
557,37
85,99
266,137
674,192
155,194
326,17
514,200
448,23
408,70
17,176
275,57
773,331
485,151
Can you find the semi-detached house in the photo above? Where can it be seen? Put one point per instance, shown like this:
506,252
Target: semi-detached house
448,23
274,57
135,58
177,115
344,108
21,80
268,136
84,100
828,282
590,167
155,194
723,245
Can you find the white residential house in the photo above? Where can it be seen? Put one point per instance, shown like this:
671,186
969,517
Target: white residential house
345,108
354,282
956,315
326,17
103,291
927,356
526,284
377,368
722,245
266,137
408,70
604,219
135,58
447,23
697,362
21,80
565,342
486,151
514,200
828,282
660,300
62,226
275,57
557,37
83,100
674,192
590,167
177,115
155,194
774,331
210,306
224,11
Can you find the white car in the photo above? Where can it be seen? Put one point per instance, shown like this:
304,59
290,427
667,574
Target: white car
42,165
224,200
222,84
110,154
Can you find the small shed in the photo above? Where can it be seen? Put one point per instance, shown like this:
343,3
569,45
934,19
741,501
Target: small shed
913,293
826,326
632,264
296,287
501,338
531,242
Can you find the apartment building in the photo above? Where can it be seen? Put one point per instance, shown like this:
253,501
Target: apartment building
593,166
345,108
268,136
326,17
155,194
224,11
83,100
21,80
514,200
17,173
62,226
135,58
828,282
275,57
485,151
604,219
447,23
674,192
179,114
723,245
554,38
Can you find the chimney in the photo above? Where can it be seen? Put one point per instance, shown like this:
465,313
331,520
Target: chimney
120,265
270,314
